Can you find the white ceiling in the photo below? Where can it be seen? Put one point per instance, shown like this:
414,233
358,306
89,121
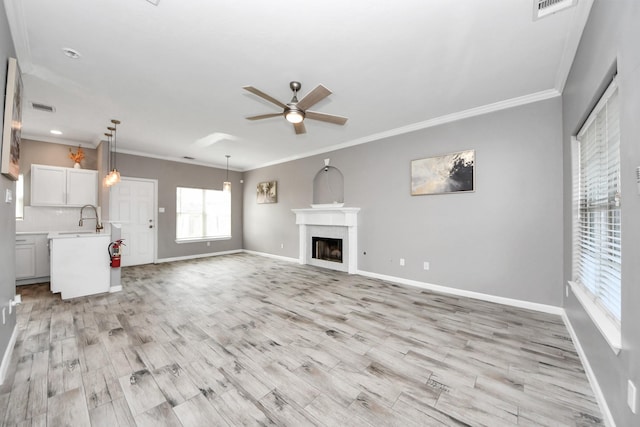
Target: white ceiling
173,73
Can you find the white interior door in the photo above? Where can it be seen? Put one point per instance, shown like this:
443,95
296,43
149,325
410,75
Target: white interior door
133,206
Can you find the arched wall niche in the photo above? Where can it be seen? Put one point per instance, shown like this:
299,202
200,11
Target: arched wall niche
328,186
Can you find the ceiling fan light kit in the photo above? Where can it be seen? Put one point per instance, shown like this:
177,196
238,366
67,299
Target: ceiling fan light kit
294,115
296,111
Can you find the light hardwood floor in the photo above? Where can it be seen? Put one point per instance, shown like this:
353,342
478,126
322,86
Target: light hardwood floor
247,340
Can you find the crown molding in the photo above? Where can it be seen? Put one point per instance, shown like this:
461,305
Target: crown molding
448,118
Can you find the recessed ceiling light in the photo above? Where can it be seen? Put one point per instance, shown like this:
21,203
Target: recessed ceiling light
55,132
71,53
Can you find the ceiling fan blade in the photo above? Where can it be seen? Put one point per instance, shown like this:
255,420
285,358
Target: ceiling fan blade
330,118
264,116
313,97
263,95
299,128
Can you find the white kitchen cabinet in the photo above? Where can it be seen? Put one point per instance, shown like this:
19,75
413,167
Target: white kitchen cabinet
57,186
25,258
32,258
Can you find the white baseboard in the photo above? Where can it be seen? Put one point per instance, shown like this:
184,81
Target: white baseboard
6,359
188,257
469,294
268,255
606,413
20,282
593,380
115,289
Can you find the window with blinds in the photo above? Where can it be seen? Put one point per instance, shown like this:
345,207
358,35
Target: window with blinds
597,251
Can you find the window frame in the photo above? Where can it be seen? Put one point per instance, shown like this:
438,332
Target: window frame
608,325
203,213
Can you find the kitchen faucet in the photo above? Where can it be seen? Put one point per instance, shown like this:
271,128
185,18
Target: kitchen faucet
95,211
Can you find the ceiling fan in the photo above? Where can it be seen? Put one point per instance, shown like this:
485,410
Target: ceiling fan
296,111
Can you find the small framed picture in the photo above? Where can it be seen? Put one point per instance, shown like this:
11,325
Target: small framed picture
267,192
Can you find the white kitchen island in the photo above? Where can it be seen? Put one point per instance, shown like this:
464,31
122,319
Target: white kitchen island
79,263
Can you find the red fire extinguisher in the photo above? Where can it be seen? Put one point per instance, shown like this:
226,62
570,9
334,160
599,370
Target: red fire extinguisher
114,252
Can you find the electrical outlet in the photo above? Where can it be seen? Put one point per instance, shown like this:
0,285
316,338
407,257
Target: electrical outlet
426,265
208,243
566,290
4,318
281,245
632,396
402,262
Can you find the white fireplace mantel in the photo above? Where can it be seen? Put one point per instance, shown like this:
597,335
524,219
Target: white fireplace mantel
330,221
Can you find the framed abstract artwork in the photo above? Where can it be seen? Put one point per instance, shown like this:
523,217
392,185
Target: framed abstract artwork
451,173
12,122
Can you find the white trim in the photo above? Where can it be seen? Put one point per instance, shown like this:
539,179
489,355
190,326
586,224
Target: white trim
18,24
593,380
202,239
544,308
448,118
115,289
196,256
604,99
58,140
178,160
33,280
6,359
268,255
607,327
472,112
602,403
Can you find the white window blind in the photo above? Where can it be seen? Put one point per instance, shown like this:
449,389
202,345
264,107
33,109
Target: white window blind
597,251
202,214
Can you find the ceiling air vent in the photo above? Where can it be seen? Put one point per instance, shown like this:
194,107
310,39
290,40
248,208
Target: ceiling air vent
542,8
43,107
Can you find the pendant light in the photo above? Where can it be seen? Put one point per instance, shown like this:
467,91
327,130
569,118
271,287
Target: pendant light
114,176
226,186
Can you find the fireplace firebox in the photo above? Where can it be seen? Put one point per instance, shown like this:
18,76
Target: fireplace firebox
326,249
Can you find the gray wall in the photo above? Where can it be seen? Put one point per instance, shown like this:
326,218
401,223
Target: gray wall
175,174
611,35
505,239
44,153
7,211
